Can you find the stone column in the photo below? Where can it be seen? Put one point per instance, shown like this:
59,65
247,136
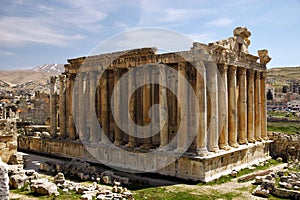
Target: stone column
146,108
104,108
117,108
163,112
94,135
212,107
232,107
223,108
80,122
264,134
257,107
53,106
87,105
183,108
250,107
201,141
242,106
70,100
62,106
131,114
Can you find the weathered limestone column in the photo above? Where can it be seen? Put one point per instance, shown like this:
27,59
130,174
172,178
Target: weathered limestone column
250,107
232,107
212,106
53,106
257,107
264,134
155,115
71,100
131,114
183,107
117,108
163,112
87,105
242,106
201,141
81,107
223,108
146,108
94,135
104,108
62,106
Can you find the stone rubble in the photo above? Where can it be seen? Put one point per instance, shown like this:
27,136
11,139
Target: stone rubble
287,186
83,171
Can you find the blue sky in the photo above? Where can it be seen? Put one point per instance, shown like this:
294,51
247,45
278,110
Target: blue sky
35,32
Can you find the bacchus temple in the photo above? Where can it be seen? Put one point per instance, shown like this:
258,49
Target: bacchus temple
211,101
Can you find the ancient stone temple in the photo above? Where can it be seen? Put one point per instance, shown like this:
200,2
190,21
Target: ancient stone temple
215,120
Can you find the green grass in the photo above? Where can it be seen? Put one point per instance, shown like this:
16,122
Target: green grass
227,178
284,127
165,194
282,114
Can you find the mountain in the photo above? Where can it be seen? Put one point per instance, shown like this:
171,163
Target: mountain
281,75
39,74
49,68
36,78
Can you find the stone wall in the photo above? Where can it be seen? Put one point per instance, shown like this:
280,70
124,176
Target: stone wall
8,146
4,189
286,146
186,167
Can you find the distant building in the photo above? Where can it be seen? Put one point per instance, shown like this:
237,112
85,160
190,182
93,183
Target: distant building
294,105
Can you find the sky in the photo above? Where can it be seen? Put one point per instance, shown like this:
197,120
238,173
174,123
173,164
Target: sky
36,32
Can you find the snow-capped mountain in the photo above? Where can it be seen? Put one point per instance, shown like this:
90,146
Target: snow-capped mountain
49,68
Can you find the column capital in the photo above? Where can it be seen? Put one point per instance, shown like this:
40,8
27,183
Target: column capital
223,69
258,75
250,73
71,76
53,79
263,75
241,71
232,70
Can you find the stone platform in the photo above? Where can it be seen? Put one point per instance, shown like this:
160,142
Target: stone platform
189,167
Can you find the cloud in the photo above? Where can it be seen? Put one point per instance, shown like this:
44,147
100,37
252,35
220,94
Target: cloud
220,22
202,38
5,53
169,13
21,30
163,39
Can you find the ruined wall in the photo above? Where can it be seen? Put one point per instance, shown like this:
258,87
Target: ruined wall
285,146
8,146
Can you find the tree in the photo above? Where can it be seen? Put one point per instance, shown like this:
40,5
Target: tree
269,95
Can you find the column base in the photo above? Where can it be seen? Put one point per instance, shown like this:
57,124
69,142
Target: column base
234,144
214,149
243,141
202,151
117,143
251,140
180,150
259,139
146,146
266,138
130,145
225,147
